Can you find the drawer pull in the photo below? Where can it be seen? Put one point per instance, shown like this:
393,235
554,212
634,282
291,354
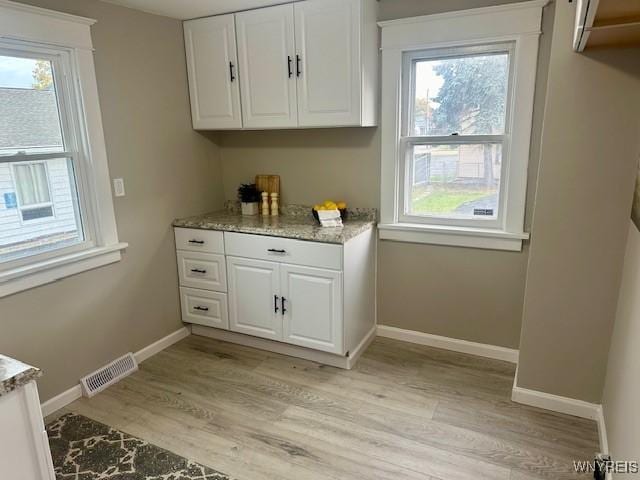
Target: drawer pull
197,270
275,303
284,310
275,250
202,309
197,242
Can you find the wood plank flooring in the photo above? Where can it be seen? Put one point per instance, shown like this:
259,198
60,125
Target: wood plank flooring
404,412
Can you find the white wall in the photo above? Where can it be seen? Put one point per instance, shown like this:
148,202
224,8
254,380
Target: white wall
622,386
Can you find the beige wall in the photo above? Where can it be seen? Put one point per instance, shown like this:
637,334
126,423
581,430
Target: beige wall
314,165
463,293
587,172
622,390
73,326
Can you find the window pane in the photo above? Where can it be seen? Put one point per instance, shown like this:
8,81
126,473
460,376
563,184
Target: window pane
454,181
465,95
38,208
39,172
24,185
32,184
29,112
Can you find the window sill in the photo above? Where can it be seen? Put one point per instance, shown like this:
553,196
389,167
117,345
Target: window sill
453,236
36,274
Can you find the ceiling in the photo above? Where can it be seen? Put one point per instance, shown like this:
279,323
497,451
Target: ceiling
186,9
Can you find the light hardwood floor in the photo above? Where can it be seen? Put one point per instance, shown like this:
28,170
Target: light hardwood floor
404,412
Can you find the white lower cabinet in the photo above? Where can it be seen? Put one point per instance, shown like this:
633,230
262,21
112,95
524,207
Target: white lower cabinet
313,295
312,307
203,307
254,298
290,303
202,270
24,445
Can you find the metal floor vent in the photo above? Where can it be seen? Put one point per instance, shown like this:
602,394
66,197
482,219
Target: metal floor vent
99,380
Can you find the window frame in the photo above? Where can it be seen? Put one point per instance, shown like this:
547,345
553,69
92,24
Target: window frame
514,28
407,140
65,40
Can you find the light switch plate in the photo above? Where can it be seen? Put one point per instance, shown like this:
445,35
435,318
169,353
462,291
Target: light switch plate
118,187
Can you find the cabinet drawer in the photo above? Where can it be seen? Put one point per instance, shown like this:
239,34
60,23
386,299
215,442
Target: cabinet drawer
195,240
285,250
202,270
204,308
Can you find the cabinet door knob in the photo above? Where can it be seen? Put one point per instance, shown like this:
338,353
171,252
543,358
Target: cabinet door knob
197,270
284,310
202,309
233,77
276,250
197,242
275,303
289,62
298,71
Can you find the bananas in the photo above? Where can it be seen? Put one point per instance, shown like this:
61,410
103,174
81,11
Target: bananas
330,205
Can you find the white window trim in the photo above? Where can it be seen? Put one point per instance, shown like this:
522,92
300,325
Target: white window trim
22,23
517,23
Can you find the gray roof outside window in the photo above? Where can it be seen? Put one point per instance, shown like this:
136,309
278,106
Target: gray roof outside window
28,118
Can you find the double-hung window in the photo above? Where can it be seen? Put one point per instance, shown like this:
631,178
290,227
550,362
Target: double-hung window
456,116
56,211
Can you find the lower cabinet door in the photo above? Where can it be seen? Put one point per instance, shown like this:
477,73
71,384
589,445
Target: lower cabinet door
203,307
254,298
312,300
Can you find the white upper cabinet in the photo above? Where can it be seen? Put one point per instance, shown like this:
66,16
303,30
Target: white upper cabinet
328,44
266,50
213,78
313,63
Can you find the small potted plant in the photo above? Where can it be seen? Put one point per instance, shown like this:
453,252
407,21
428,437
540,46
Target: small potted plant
249,196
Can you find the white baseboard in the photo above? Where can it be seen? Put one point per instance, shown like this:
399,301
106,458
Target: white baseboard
555,403
75,392
602,431
568,406
60,401
362,346
156,347
453,344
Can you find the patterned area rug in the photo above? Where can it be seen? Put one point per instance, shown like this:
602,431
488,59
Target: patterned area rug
83,449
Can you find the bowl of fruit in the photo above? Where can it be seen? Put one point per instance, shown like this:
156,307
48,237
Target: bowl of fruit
331,205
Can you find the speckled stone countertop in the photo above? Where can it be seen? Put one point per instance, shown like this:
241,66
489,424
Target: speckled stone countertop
15,374
294,222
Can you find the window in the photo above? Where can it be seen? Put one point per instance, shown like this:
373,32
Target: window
32,186
456,119
32,106
56,212
454,134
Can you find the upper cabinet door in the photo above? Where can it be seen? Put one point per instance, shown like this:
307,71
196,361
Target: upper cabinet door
328,42
213,77
267,66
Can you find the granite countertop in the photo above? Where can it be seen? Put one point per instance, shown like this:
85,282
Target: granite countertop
15,374
295,222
